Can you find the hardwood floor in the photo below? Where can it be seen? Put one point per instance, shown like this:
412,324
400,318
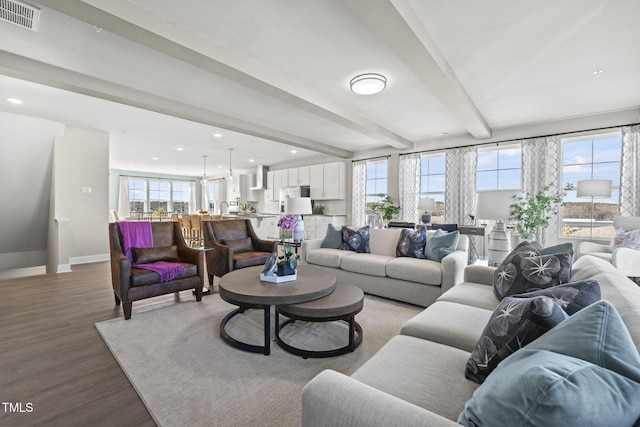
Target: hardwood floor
52,356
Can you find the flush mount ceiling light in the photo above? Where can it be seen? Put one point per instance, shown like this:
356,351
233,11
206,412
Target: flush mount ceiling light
14,100
368,84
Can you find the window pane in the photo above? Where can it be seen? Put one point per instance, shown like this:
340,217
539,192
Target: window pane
437,164
576,152
437,183
487,160
510,158
509,179
487,181
607,149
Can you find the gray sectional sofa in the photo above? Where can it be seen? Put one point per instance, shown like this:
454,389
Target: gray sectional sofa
417,378
380,272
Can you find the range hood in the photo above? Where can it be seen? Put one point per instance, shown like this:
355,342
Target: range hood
261,178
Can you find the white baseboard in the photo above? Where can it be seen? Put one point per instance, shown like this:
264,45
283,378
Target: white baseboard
88,259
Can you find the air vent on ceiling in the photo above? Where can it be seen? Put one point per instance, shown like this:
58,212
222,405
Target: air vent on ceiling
20,14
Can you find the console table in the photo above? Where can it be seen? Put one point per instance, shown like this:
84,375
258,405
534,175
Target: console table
472,230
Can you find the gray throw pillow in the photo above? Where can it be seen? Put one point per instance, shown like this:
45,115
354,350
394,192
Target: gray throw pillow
355,240
441,244
525,269
515,323
557,249
333,238
585,371
412,243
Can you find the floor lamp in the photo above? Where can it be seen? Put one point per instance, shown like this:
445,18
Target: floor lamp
298,206
496,205
594,189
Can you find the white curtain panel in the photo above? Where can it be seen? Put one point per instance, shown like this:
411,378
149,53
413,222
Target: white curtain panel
123,198
359,192
541,166
629,173
192,197
460,178
409,186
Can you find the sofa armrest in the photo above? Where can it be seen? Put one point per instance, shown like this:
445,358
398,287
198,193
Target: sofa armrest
479,274
332,399
627,261
453,266
307,245
585,248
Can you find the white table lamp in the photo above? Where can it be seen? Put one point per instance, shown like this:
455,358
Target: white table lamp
298,206
496,205
426,204
594,189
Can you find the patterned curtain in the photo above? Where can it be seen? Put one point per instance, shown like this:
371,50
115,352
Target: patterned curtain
409,186
359,192
192,198
541,166
124,210
460,196
629,173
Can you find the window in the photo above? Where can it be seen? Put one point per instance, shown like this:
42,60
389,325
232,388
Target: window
432,181
159,196
499,169
180,197
377,172
586,158
137,195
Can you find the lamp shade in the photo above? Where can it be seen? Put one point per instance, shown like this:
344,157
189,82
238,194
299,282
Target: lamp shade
427,204
596,188
298,205
495,205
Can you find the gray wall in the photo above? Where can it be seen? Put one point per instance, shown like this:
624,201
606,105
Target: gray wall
26,163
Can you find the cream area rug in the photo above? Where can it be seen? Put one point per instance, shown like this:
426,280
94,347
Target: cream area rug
187,376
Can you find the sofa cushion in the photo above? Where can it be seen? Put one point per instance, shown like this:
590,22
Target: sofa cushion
449,323
150,255
415,270
524,269
473,294
355,240
333,237
326,257
625,239
441,244
369,264
586,371
411,243
428,384
239,245
515,323
383,241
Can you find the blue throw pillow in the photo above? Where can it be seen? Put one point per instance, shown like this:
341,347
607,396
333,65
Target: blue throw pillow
412,243
355,240
441,244
572,297
585,371
333,238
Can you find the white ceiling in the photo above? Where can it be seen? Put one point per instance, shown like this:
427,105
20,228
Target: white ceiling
272,77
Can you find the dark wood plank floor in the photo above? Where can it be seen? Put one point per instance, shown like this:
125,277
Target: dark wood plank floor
52,356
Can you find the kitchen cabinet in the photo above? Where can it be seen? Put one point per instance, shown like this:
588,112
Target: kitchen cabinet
292,177
298,176
270,188
315,226
280,180
328,181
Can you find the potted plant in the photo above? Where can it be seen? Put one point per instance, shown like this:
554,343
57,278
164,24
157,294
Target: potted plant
385,207
287,263
286,223
531,212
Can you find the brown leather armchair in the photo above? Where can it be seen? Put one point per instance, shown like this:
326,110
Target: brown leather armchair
233,244
133,284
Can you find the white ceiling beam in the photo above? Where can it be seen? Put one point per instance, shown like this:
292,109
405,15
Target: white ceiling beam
38,72
397,25
139,25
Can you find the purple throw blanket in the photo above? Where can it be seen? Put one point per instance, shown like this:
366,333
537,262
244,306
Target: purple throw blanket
135,235
166,270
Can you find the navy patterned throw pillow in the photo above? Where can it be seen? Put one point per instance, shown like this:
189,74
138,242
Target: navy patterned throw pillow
355,240
525,269
411,243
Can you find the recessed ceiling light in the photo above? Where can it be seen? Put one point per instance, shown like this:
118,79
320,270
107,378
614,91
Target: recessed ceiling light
441,134
179,148
368,84
293,151
155,158
14,100
251,160
598,72
97,29
217,135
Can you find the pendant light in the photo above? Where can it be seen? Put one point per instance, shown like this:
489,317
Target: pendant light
204,180
230,178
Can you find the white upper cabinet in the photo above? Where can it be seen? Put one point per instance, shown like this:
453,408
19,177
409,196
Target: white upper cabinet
303,175
328,181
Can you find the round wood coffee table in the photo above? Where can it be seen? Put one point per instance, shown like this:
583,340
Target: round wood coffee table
244,288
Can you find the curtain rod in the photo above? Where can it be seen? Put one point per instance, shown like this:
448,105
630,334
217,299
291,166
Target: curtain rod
372,158
157,178
496,143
